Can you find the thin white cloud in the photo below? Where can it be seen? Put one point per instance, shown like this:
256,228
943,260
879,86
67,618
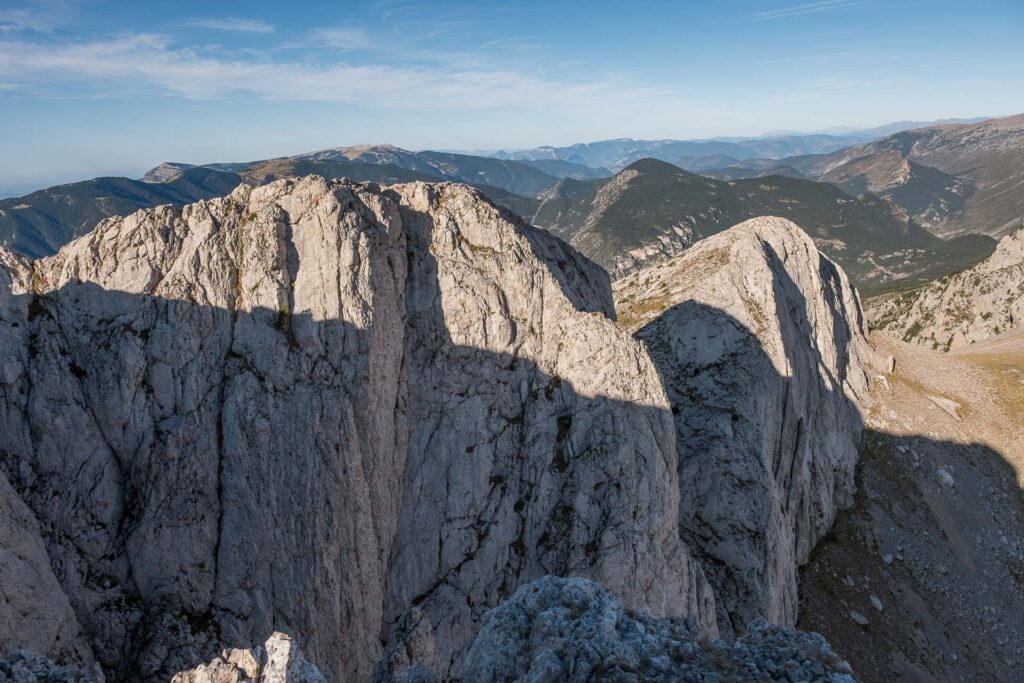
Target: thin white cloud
808,8
234,24
124,65
342,37
22,19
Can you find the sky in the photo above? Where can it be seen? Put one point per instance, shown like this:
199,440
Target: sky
95,87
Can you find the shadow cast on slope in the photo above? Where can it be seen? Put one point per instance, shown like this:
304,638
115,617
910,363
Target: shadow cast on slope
743,436
921,579
766,437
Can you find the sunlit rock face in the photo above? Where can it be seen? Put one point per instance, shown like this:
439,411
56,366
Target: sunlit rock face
356,415
279,660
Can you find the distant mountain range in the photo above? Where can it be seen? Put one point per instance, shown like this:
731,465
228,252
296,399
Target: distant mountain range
41,222
899,126
699,155
692,155
953,179
651,211
868,204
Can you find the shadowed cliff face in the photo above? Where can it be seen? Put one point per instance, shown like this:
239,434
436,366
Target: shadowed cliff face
760,343
318,408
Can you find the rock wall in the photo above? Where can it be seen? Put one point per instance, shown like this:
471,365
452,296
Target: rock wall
332,410
760,341
364,417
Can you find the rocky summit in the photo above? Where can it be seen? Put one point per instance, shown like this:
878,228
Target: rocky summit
365,416
761,343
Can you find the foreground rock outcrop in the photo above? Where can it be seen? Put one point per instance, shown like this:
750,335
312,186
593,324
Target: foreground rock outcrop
760,341
962,309
23,667
278,661
555,630
332,410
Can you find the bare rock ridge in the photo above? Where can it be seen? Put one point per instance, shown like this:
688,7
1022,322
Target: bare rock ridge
761,344
959,310
365,416
414,400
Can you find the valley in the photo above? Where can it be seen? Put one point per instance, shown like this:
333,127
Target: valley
926,564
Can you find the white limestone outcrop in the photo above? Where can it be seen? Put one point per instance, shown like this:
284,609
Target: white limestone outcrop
760,341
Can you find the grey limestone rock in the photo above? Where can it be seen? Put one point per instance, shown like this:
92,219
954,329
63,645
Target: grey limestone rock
314,406
959,310
279,660
23,667
761,343
366,416
571,630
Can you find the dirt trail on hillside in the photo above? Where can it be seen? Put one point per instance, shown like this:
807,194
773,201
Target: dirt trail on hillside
922,579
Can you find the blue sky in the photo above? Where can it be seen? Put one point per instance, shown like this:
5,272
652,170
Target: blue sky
91,87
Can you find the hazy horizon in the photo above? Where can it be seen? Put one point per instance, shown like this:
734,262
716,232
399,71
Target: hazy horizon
15,189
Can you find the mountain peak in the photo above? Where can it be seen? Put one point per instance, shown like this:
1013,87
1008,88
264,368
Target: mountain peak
165,172
651,165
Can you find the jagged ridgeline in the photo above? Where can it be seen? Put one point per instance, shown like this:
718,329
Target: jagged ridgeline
365,417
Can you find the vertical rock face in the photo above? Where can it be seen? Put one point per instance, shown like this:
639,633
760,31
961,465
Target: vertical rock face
331,410
961,309
760,342
35,614
539,432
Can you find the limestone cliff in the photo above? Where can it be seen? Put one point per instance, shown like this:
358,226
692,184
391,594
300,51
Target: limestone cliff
326,408
760,341
365,416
